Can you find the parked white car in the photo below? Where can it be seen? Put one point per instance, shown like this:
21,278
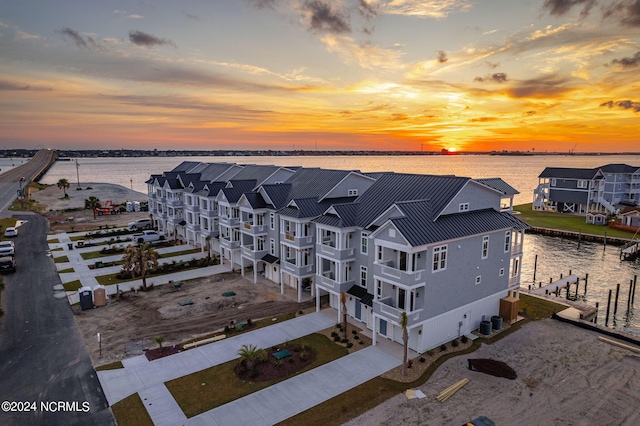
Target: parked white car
148,236
7,248
11,232
139,224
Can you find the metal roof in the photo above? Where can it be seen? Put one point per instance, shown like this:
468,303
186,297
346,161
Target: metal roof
499,185
315,182
362,294
255,200
569,173
420,231
391,188
619,168
277,193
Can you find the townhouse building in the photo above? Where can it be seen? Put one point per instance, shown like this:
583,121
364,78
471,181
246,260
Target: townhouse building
444,249
592,192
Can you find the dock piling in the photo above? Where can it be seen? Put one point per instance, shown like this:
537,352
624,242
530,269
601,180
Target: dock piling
535,268
606,320
629,297
595,317
586,281
615,306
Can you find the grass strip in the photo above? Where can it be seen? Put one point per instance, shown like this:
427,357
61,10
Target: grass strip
72,285
61,259
222,386
565,222
113,366
66,271
131,411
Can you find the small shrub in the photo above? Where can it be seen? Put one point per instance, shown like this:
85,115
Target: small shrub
338,325
275,348
430,352
349,345
334,334
226,328
278,363
300,312
464,339
354,332
303,356
291,360
455,343
254,374
422,359
249,322
336,338
344,341
296,349
361,342
356,337
443,347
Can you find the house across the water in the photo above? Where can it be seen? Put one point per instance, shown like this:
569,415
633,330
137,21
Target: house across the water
444,249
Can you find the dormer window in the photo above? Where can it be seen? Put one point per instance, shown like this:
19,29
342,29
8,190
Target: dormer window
352,192
463,207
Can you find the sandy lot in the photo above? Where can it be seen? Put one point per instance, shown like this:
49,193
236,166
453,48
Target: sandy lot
83,219
128,326
565,377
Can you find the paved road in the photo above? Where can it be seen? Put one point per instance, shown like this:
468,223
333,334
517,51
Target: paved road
10,180
42,355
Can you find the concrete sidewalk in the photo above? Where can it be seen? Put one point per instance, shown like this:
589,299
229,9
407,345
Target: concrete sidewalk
265,407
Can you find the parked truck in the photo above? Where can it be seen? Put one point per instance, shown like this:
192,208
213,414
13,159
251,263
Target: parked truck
148,236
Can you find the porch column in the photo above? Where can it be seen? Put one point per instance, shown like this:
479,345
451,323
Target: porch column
255,271
339,308
242,265
299,285
317,301
281,281
374,331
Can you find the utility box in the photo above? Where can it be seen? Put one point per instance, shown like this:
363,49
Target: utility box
509,309
86,298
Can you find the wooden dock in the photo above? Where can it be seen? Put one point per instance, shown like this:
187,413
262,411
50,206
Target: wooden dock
556,286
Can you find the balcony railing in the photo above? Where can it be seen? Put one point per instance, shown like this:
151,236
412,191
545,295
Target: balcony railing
254,229
230,221
408,278
514,281
329,284
337,254
290,267
231,245
516,249
297,241
250,253
384,309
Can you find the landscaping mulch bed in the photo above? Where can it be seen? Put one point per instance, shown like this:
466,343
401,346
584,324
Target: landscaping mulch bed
156,353
272,368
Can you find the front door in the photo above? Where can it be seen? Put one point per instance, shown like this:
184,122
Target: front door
358,310
383,327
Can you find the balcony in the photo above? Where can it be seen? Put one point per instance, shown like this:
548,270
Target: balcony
229,245
334,253
296,241
230,221
516,249
248,252
213,233
514,281
409,279
192,208
175,203
251,229
384,309
329,284
291,268
193,227
208,213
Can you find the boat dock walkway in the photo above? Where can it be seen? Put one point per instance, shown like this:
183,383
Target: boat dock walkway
557,285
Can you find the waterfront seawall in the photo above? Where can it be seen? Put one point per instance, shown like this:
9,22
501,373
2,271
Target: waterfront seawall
578,236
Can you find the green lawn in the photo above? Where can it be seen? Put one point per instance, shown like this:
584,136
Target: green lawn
563,221
72,285
66,271
98,254
221,385
131,411
61,259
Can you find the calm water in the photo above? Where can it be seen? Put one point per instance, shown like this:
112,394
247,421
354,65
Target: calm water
555,255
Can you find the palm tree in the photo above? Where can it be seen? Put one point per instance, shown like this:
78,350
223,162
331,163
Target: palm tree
159,341
250,354
404,321
92,203
63,184
139,260
343,301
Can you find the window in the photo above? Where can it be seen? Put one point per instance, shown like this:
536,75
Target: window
553,182
272,247
272,221
379,253
352,192
501,272
478,279
260,220
485,246
363,276
463,207
364,243
379,288
440,258
507,241
583,184
260,244
392,233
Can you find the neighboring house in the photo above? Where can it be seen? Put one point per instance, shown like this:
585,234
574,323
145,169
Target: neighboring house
595,192
444,249
631,216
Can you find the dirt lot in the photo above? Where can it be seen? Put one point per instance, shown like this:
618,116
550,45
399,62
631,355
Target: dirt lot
565,377
128,326
56,208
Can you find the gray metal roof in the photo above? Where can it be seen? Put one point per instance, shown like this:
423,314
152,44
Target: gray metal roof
619,168
245,185
362,294
185,166
308,183
255,200
278,193
420,231
256,172
569,173
499,185
391,188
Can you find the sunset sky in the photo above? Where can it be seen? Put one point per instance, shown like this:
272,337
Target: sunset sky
474,75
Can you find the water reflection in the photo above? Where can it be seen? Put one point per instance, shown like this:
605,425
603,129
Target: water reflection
559,256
